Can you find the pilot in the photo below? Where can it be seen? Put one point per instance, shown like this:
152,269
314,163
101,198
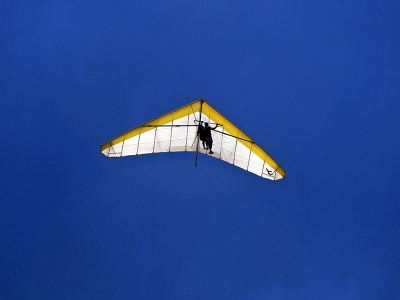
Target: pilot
206,136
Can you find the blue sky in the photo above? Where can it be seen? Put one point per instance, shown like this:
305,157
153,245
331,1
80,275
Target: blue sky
314,83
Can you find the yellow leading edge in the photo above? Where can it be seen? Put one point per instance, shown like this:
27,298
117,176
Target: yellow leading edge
177,131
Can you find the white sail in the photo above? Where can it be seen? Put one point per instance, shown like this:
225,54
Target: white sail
177,132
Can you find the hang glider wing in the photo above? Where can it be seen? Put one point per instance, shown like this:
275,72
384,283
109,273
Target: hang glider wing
177,131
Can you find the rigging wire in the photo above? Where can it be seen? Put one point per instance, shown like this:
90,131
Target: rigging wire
192,108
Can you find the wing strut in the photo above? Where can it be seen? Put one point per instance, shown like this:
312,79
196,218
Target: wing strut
236,137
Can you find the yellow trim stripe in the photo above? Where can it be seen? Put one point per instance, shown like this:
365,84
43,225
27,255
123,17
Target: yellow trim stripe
217,117
210,112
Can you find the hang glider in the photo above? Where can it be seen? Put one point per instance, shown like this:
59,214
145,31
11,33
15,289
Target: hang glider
177,131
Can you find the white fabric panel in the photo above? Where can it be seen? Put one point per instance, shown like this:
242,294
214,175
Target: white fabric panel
217,140
146,142
105,151
178,142
242,155
163,139
115,151
255,164
228,147
130,146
